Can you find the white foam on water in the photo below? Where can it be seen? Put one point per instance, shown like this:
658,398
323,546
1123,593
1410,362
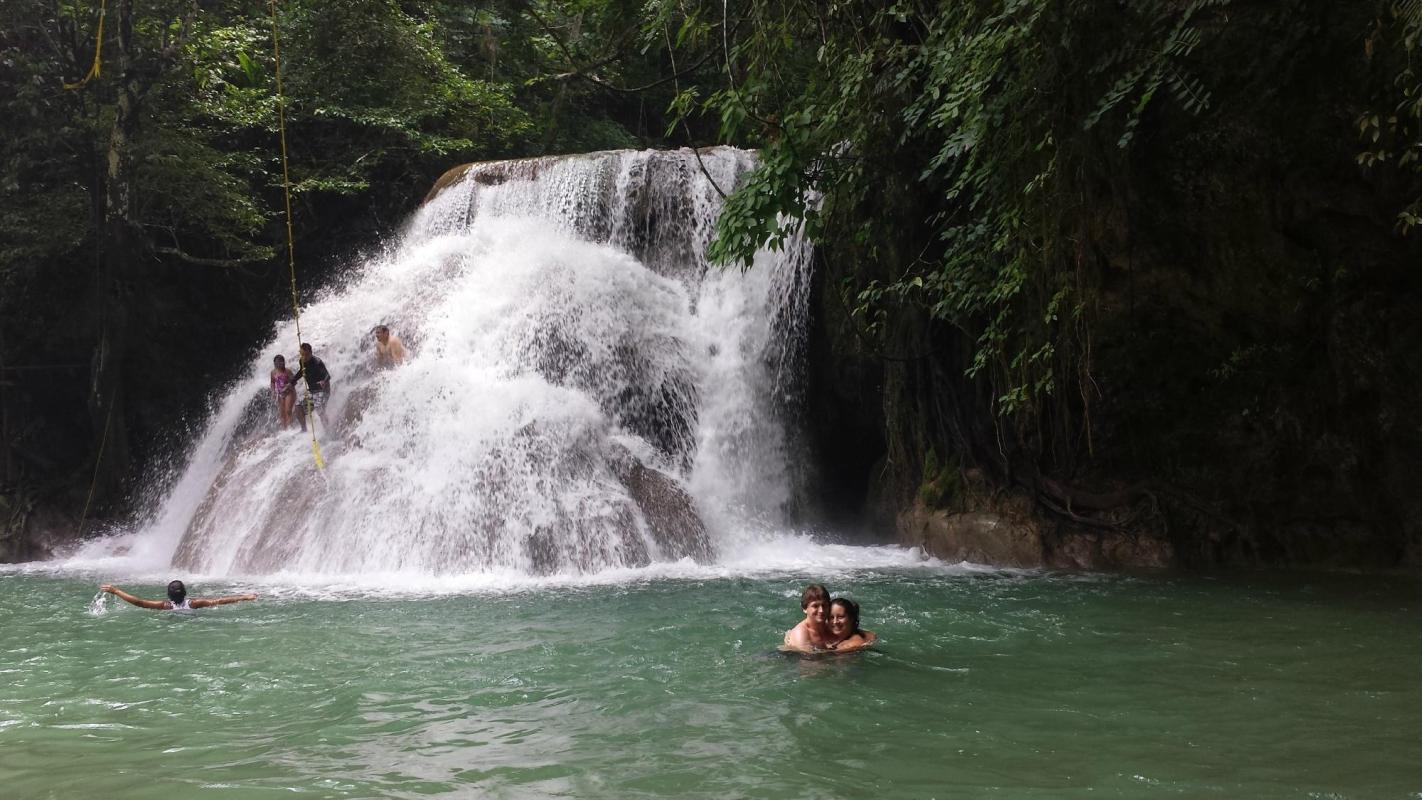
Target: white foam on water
562,322
789,556
99,606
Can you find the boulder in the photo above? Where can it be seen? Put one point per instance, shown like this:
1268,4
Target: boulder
1007,533
1099,550
669,511
982,537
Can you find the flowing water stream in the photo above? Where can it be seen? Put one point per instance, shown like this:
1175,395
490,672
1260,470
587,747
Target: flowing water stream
554,551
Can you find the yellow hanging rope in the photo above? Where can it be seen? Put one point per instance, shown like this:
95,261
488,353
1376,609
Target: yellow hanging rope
103,441
95,68
290,237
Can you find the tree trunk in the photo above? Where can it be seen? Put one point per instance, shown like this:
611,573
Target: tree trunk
7,468
120,248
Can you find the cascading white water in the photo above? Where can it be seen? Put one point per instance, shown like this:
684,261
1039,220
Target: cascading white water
583,391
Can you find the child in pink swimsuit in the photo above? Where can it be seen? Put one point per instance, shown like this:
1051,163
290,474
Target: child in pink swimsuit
283,391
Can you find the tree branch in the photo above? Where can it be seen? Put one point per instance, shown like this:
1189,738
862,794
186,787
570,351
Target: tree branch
580,73
206,262
584,72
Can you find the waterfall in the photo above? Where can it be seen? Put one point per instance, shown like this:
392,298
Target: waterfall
583,390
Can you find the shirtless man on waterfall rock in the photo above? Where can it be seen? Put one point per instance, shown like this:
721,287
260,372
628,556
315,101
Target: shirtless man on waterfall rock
389,350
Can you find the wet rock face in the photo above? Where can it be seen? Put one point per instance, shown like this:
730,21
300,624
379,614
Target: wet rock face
671,516
274,550
30,531
279,543
258,420
1012,536
655,515
978,536
660,222
1109,550
644,398
545,553
579,196
658,226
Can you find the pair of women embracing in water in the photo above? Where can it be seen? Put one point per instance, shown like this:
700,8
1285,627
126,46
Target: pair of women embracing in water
829,625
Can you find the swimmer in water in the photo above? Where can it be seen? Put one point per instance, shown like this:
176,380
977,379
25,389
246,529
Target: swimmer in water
813,631
178,599
845,635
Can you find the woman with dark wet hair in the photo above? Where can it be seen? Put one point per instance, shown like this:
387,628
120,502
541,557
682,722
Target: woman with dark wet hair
845,635
178,599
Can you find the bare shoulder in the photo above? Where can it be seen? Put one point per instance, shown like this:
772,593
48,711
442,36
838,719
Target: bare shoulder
798,637
799,644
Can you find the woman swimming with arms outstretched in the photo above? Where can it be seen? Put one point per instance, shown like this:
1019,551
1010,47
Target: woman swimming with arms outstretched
845,635
178,599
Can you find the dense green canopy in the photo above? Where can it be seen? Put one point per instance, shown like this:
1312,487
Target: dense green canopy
1152,250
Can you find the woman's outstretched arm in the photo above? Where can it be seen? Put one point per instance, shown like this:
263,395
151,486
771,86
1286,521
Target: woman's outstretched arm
204,602
155,605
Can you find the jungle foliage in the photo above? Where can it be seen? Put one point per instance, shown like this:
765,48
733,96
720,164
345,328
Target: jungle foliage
1131,243
1002,114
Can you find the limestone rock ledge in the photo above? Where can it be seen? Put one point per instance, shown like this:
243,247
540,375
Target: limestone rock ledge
1011,535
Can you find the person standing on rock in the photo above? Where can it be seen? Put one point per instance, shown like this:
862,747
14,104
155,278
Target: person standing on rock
283,391
813,631
318,385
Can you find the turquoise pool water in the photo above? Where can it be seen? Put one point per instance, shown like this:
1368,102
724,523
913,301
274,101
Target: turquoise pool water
985,684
